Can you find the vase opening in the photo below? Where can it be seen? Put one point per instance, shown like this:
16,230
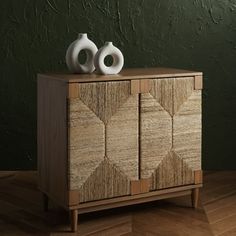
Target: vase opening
82,57
108,60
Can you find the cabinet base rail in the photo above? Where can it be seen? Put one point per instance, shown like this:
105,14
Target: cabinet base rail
99,205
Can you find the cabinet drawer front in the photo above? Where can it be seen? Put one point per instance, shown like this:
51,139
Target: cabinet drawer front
103,140
170,132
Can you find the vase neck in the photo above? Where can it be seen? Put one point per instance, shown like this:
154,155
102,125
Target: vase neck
82,35
108,43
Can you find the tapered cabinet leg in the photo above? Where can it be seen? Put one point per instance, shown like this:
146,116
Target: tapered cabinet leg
45,202
195,197
74,220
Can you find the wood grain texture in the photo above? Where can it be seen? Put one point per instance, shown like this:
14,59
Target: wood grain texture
104,98
73,90
135,187
137,198
145,185
140,86
105,182
187,131
21,214
107,130
172,171
195,197
134,87
155,134
133,201
172,220
219,198
86,143
198,82
140,186
145,85
125,74
198,176
74,220
52,139
73,196
122,138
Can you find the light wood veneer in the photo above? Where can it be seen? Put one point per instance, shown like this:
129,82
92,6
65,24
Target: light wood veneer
111,141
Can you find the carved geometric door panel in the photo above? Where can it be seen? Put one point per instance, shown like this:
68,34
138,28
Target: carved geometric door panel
170,132
103,140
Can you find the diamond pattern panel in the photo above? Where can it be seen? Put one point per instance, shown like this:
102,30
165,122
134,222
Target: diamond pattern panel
86,130
122,138
187,131
104,98
105,117
182,90
155,134
103,128
107,181
172,171
182,148
172,93
162,91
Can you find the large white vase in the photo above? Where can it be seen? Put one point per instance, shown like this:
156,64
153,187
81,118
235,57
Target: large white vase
82,43
118,59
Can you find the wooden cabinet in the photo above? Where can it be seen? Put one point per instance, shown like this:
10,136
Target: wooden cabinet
110,141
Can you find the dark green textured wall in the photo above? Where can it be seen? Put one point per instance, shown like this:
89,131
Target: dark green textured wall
192,34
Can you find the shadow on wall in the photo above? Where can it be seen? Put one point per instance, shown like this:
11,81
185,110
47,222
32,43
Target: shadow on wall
198,35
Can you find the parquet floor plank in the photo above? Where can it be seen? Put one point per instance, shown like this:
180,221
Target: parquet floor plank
219,200
21,212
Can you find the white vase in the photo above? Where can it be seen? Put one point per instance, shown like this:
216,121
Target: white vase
118,59
72,53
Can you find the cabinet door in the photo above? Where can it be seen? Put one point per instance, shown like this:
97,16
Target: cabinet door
170,132
103,140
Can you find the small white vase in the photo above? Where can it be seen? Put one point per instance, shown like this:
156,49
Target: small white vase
118,59
82,43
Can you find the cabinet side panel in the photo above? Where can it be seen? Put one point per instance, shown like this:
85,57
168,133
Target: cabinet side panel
52,138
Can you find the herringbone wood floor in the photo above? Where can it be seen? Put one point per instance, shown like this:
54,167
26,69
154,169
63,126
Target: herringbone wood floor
21,212
219,200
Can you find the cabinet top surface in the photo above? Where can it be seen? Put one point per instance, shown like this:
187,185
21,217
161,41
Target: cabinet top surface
125,74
